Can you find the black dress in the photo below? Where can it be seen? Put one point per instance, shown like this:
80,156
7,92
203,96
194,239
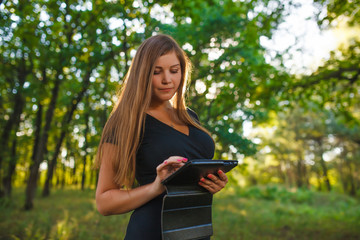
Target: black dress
160,142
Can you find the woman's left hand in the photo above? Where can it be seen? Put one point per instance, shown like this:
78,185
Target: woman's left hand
214,183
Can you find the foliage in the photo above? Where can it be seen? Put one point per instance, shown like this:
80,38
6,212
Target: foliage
340,8
312,139
62,63
231,80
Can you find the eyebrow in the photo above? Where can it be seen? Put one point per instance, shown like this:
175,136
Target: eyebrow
170,66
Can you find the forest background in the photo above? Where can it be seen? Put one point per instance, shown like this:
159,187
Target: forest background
295,130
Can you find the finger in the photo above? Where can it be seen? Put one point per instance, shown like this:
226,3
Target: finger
174,162
175,159
222,176
210,188
180,159
208,182
163,165
171,160
214,182
171,165
217,181
213,178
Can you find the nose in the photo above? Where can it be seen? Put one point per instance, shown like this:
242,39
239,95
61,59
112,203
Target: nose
166,77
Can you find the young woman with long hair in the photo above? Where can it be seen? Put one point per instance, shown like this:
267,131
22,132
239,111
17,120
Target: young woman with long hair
150,134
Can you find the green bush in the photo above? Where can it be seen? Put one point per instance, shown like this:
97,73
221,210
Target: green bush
278,193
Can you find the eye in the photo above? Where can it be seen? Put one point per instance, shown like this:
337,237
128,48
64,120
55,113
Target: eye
174,70
157,71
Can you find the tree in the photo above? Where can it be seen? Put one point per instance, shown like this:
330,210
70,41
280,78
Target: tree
231,80
71,49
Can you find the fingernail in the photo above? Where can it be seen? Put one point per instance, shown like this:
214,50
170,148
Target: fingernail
202,179
184,159
209,176
219,171
179,160
165,162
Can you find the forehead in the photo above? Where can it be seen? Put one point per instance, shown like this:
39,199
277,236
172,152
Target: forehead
167,60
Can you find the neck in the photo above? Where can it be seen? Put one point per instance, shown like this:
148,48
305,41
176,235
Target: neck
160,106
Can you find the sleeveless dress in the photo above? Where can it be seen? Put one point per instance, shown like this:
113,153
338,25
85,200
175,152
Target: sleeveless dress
158,143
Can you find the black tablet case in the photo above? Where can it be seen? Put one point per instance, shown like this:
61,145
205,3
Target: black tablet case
186,210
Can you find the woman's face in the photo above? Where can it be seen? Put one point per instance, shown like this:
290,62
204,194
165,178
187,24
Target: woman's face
166,77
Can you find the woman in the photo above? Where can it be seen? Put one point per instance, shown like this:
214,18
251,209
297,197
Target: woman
150,134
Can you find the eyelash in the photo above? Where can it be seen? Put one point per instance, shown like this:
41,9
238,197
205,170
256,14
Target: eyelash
173,71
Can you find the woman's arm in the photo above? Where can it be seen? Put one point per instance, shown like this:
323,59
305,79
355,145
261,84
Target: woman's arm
110,199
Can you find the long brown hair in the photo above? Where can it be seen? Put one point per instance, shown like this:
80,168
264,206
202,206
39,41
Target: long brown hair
126,121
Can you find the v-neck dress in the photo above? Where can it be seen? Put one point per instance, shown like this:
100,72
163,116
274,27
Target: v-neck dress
159,142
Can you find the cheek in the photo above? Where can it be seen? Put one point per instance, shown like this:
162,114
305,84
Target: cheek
155,80
178,80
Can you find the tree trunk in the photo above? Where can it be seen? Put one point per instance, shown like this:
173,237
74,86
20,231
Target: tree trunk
323,165
86,131
74,178
325,173
7,181
14,120
104,115
37,130
97,177
73,173
352,190
318,177
93,177
306,176
340,169
64,129
42,147
63,179
58,180
83,176
51,167
357,178
281,173
342,177
38,122
299,176
290,176
70,154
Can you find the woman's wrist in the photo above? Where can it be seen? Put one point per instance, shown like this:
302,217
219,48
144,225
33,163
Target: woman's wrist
157,187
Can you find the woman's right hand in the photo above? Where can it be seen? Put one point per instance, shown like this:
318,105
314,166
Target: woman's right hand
112,199
165,169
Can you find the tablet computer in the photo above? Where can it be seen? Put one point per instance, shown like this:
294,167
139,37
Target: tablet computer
194,170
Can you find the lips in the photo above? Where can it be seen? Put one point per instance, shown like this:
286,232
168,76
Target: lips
165,89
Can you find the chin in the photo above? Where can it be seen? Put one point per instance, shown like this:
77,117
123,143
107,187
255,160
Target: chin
165,97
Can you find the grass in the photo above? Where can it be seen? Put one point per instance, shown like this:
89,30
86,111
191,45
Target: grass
268,212
271,212
65,214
